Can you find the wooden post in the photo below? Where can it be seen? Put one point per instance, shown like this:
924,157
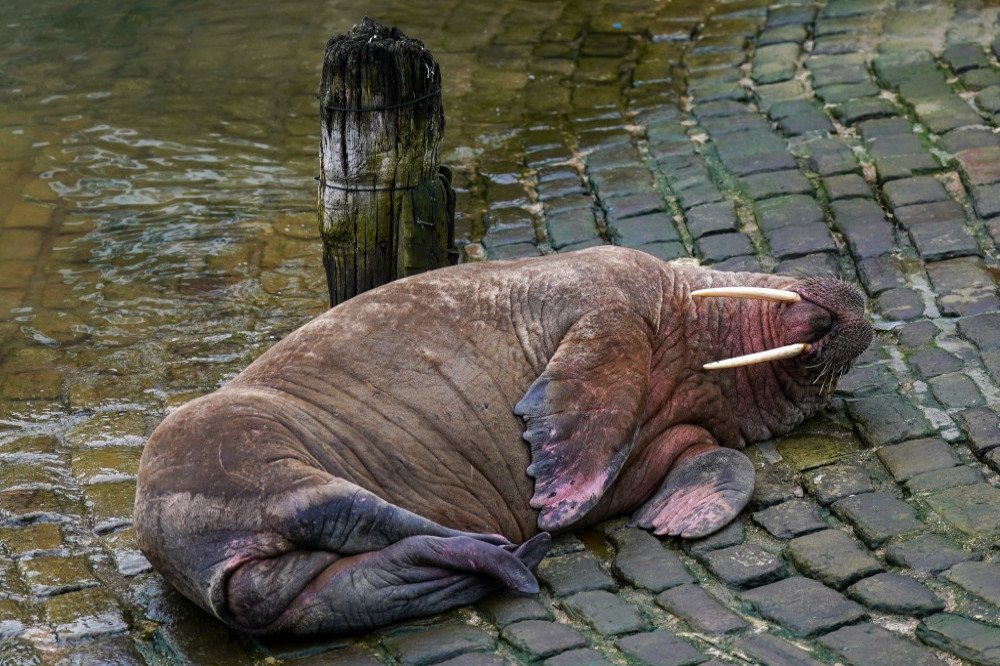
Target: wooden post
386,206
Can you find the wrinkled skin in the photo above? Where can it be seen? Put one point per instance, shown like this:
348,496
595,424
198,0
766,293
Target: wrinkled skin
385,460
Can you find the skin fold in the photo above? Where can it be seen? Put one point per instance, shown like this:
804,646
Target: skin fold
408,451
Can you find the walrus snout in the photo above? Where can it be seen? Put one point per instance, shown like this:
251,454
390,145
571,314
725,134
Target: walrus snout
847,329
806,322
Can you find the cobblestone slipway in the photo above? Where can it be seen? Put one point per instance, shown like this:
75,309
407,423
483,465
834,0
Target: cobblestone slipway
856,138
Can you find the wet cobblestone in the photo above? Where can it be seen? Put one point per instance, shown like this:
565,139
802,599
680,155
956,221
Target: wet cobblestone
857,138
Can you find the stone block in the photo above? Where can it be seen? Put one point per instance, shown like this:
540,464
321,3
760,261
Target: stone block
773,651
912,191
974,641
787,211
937,212
894,593
981,330
803,606
963,57
944,114
847,186
665,251
539,639
936,241
790,519
854,111
776,183
900,303
48,576
929,552
979,165
980,79
575,657
703,613
632,205
744,165
730,535
719,247
84,614
934,362
576,572
981,426
810,122
607,613
638,231
844,92
986,200
642,561
973,509
34,539
799,241
877,517
786,34
711,218
468,659
955,391
861,381
831,483
908,459
866,236
870,645
892,162
507,609
567,229
981,579
436,644
660,648
696,195
514,251
887,419
829,157
831,556
821,263
942,479
744,565
880,273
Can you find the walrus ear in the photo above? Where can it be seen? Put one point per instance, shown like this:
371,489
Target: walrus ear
583,411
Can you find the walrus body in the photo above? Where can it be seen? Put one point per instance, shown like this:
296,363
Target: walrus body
382,461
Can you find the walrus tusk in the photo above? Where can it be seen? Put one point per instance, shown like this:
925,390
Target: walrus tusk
776,354
759,293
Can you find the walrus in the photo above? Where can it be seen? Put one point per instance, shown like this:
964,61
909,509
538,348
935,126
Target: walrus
411,449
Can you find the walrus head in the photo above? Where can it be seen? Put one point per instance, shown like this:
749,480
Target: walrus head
816,329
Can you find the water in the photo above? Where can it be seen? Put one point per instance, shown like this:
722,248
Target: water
158,232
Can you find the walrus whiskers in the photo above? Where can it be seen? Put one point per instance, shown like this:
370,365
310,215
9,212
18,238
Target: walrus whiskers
776,354
758,293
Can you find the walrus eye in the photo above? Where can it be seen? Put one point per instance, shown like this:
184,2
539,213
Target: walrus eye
759,293
776,354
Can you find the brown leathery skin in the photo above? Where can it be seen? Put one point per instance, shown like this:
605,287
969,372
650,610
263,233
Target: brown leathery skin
408,391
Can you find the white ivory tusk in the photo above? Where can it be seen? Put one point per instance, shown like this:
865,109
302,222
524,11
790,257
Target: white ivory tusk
759,293
776,354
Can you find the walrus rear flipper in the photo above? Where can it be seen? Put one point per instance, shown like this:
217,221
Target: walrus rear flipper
419,575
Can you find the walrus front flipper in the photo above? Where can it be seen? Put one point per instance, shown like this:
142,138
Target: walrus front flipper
419,575
701,494
582,413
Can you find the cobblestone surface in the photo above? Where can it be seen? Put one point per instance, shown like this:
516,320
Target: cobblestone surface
856,138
